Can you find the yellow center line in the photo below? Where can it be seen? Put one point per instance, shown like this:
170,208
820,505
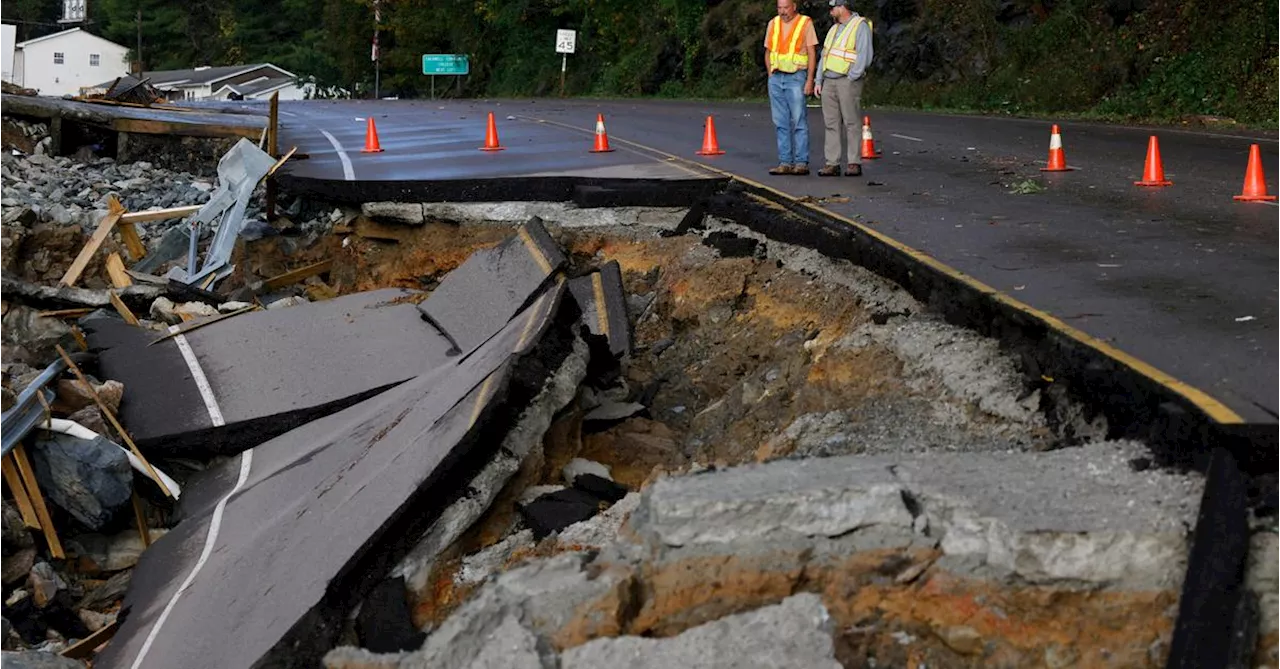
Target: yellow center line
602,316
1206,403
536,252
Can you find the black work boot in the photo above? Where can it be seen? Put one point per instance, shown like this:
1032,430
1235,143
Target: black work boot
854,170
829,171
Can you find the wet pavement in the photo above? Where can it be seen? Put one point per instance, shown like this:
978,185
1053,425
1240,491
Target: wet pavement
1183,278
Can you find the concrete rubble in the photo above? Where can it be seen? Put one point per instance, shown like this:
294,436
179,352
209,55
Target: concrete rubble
541,435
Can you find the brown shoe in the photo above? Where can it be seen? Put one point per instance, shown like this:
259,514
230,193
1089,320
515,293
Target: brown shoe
854,170
801,170
781,169
829,171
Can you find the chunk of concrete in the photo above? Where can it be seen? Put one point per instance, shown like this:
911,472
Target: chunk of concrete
400,212
542,596
793,633
823,497
602,529
1079,515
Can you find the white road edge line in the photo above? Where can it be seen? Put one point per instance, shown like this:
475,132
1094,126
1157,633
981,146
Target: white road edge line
202,381
914,139
215,524
348,172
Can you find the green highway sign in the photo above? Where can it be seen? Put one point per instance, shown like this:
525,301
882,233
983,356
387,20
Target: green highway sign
445,64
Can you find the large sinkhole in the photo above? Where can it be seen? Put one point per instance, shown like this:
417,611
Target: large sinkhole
965,493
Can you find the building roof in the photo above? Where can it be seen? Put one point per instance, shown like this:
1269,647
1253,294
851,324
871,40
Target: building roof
257,86
206,75
65,33
201,76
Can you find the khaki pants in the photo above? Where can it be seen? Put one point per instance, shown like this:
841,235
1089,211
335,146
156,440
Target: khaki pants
842,115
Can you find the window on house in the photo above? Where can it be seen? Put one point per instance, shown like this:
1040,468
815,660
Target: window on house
94,59
57,57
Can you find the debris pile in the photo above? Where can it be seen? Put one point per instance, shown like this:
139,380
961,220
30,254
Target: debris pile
83,502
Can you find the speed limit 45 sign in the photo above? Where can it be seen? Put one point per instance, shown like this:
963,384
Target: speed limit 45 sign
565,40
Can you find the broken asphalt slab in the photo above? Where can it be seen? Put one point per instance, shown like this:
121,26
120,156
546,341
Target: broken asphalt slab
264,574
240,381
603,301
487,290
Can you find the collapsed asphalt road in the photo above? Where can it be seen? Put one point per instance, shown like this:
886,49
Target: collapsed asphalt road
576,464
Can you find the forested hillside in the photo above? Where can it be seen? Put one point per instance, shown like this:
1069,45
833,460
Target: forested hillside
1150,59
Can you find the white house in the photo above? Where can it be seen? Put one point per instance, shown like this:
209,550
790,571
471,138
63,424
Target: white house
8,35
249,82
65,62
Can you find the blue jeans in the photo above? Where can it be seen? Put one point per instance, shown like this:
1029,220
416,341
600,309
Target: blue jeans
790,117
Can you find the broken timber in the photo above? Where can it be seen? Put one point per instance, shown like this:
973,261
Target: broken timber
114,212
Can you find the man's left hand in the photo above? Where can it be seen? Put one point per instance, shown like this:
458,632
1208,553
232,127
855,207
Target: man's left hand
808,88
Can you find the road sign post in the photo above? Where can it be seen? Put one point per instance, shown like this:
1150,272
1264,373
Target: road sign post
566,41
445,65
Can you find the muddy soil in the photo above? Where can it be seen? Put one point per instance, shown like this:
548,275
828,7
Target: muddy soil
739,358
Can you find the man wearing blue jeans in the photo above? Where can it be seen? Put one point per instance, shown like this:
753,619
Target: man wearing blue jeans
789,48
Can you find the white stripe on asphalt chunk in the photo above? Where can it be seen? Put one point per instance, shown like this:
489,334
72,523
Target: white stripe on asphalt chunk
202,382
914,139
348,172
215,525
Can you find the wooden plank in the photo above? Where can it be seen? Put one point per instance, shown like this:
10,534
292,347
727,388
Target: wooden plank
66,313
123,309
186,317
79,337
294,276
282,161
132,241
116,272
85,647
159,214
19,491
37,501
273,134
91,247
184,328
111,418
153,127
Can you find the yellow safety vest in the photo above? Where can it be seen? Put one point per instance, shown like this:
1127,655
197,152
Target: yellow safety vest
794,58
840,55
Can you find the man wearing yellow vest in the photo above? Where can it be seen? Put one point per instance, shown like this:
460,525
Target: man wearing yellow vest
789,45
846,54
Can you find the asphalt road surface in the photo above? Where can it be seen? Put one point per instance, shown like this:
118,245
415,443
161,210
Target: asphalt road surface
1183,277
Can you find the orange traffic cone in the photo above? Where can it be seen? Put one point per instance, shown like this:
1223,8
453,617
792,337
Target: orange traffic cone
1153,171
371,138
1255,183
868,142
491,136
1057,157
602,137
710,145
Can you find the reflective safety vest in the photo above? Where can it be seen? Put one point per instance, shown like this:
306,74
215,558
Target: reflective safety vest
793,57
840,54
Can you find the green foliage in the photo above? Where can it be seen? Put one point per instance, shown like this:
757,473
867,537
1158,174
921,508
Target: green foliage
1123,59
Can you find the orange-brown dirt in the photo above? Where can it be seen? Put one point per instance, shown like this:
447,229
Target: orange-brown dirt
895,606
751,349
